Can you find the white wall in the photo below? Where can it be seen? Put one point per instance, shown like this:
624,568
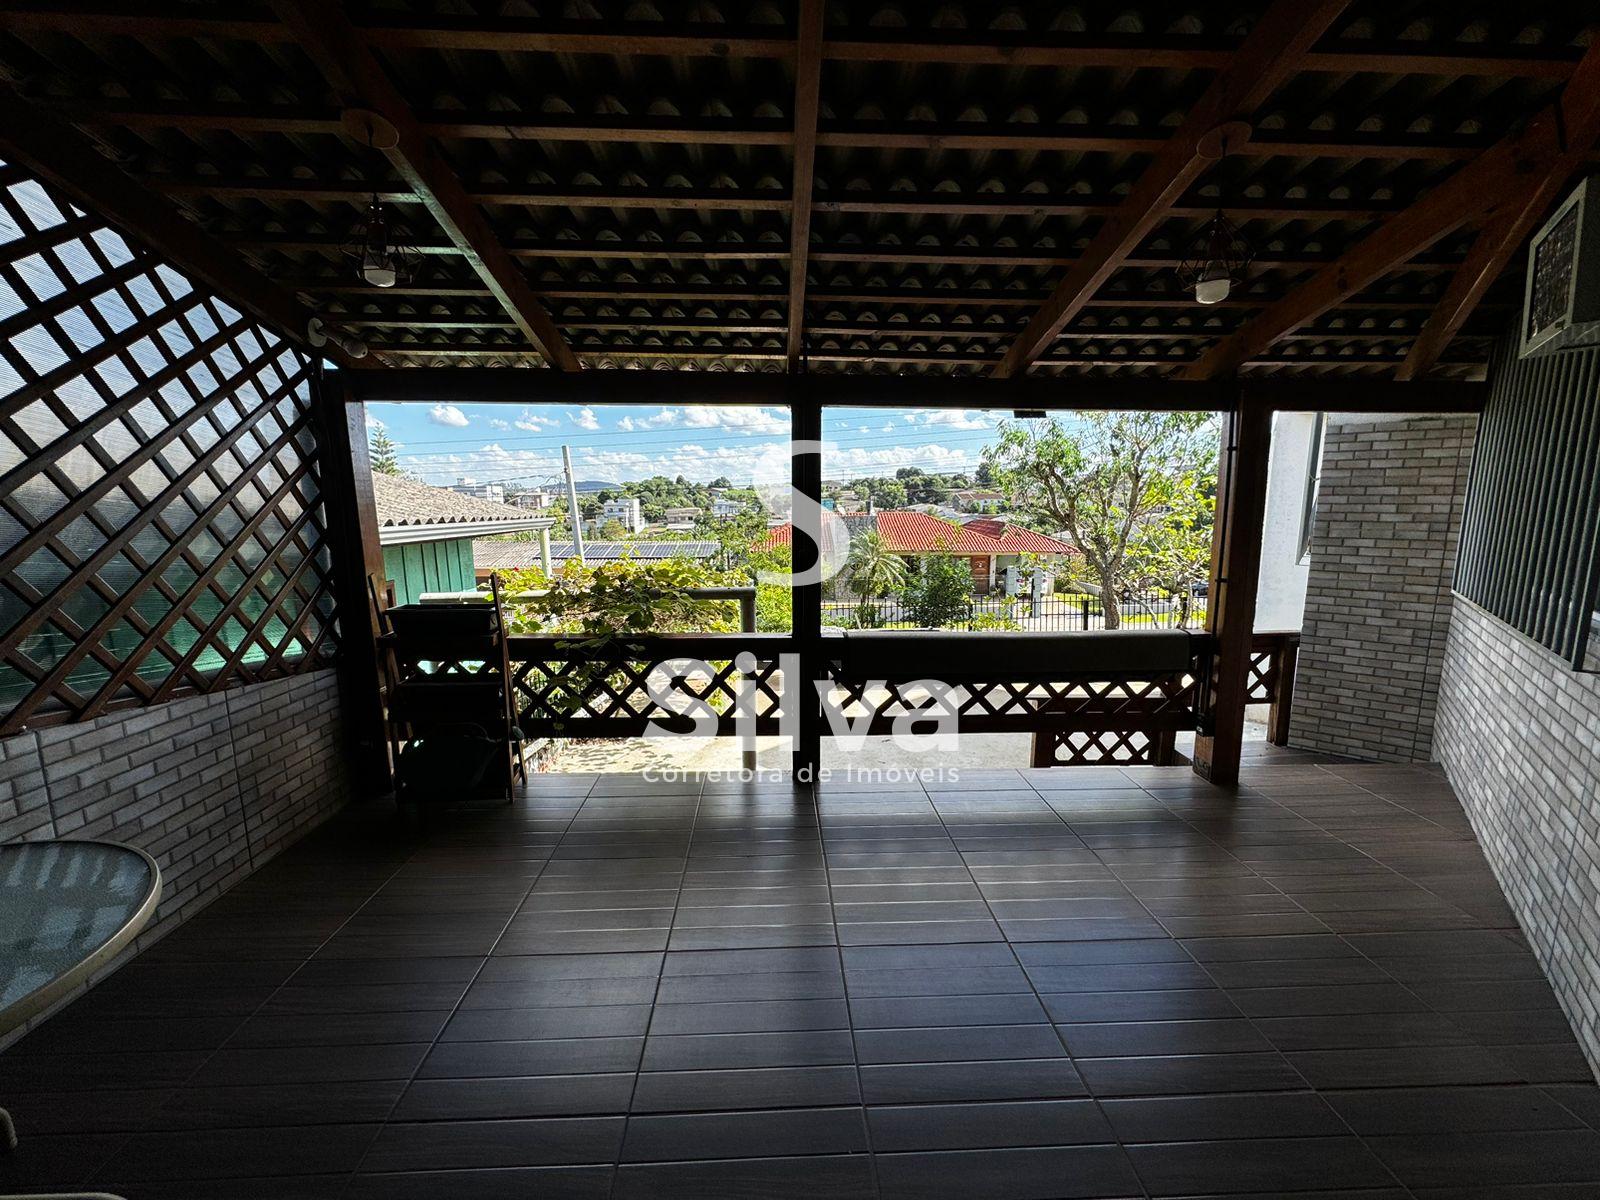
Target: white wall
1281,598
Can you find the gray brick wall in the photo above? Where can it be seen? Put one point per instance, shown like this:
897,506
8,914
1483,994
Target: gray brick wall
211,786
1378,600
1518,733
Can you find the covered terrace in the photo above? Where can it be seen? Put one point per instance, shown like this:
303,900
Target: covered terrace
1359,962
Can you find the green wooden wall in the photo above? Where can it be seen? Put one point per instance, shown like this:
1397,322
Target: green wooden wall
429,567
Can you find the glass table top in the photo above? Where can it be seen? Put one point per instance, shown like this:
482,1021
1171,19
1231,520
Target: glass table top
64,907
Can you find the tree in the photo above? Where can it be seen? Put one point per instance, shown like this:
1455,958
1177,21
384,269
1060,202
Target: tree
873,572
938,595
1172,552
1108,481
383,451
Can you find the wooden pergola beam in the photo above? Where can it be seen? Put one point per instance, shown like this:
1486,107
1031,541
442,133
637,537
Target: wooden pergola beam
450,385
322,30
61,154
1270,55
869,135
988,204
1340,56
1497,244
807,101
1494,183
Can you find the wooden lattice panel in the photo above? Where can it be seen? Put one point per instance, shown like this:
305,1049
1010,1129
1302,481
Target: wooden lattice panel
1002,705
1100,748
1263,676
160,524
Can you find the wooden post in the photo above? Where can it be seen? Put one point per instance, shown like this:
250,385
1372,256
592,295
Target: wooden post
1235,575
357,558
1283,690
806,481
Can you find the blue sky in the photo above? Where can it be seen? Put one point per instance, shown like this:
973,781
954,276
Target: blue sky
440,443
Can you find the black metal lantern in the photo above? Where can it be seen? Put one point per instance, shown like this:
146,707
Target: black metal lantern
381,247
1215,261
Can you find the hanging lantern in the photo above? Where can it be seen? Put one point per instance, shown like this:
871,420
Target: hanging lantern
1215,261
381,248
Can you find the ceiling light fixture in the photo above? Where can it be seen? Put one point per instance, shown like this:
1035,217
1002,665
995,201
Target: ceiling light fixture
1215,261
379,244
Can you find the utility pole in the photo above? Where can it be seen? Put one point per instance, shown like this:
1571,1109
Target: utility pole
574,517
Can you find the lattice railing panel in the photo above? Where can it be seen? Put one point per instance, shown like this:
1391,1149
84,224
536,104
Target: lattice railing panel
559,689
161,529
1023,706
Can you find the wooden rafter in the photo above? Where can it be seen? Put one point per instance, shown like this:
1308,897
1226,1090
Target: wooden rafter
1493,184
987,204
849,135
59,153
1497,244
1340,56
1270,55
323,31
807,101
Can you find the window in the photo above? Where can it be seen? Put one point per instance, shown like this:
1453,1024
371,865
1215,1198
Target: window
1308,514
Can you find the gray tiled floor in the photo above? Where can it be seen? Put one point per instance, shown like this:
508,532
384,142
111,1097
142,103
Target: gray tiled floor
1070,983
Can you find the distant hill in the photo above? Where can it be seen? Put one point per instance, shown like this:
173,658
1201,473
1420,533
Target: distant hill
593,485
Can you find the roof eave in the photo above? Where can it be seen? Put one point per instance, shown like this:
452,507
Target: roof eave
449,531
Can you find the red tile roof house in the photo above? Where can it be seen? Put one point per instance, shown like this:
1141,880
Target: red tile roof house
989,545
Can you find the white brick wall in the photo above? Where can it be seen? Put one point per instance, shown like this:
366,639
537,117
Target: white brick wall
1378,601
1518,733
210,786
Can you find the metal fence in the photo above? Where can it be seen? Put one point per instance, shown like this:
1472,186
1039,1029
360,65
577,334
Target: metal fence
1056,613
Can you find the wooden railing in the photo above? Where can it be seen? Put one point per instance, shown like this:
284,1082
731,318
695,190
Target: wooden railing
1273,657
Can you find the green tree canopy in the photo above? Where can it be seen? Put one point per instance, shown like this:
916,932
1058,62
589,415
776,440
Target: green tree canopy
1122,486
384,453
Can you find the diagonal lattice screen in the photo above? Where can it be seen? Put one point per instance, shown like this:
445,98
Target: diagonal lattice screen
160,525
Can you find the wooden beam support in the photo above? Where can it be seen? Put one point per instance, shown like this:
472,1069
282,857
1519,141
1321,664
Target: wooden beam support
1498,243
807,100
1343,56
324,32
55,151
1269,56
1235,578
1494,183
512,386
883,135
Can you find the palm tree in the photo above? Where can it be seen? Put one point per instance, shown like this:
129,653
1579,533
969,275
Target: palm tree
873,571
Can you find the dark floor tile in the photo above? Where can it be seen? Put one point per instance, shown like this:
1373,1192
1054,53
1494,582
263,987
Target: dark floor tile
1326,1000
957,1043
278,1104
1126,1039
1403,1066
756,1016
500,1183
1213,1118
529,1096
771,1087
339,1029
1190,1004
527,1024
1488,1110
904,1012
442,1145
838,1177
1462,1159
1188,1074
1271,1165
994,1125
1052,1173
759,1134
572,1056
1019,1079
1362,1031
308,1064
726,1051
241,1153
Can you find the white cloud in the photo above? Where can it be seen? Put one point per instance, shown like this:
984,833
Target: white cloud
531,423
448,414
585,419
497,423
373,422
958,418
748,421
